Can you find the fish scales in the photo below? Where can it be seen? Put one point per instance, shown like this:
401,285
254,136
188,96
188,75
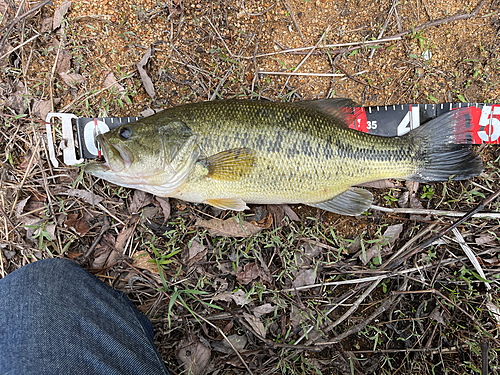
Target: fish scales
294,146
264,152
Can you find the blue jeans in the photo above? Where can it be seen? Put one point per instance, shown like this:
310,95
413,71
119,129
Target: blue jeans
56,318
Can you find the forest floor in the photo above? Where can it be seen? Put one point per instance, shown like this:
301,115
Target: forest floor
301,291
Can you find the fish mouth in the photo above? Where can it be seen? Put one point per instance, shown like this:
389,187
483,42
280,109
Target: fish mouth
116,156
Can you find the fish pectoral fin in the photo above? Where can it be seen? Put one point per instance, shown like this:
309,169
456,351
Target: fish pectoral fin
230,165
353,202
235,204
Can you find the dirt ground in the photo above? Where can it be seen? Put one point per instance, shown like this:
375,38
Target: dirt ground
308,292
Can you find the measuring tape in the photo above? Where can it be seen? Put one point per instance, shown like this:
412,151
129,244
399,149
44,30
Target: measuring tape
386,121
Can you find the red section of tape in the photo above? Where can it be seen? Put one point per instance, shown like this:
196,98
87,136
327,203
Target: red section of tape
359,122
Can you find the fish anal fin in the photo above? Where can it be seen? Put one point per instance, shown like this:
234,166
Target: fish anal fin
230,165
235,204
352,202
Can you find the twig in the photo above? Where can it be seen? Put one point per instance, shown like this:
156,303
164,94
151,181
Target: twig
348,313
435,291
104,228
302,74
221,38
17,19
309,54
408,244
364,43
355,79
19,46
358,327
441,233
457,17
470,254
484,357
425,211
384,27
292,16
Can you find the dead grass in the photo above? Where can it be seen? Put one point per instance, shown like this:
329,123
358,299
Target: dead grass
307,291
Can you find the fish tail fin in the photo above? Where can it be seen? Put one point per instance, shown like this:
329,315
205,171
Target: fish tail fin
441,150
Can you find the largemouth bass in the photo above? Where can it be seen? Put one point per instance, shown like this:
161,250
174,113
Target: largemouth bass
233,152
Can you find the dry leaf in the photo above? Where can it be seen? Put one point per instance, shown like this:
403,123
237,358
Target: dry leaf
87,196
382,247
63,61
72,79
494,310
436,315
263,309
486,239
239,343
139,200
20,205
165,207
256,324
250,271
222,287
46,25
193,355
41,108
79,226
230,227
305,277
103,250
148,112
196,251
290,213
403,199
111,82
265,222
146,80
239,297
123,237
59,14
142,259
379,184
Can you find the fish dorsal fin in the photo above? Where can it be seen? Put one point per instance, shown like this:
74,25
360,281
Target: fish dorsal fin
235,204
352,202
338,108
230,165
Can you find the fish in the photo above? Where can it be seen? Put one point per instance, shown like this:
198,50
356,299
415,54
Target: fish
231,153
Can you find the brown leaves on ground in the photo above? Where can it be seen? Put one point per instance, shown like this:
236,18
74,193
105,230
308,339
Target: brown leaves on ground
252,271
78,223
143,260
145,78
196,251
232,227
140,199
85,195
111,83
59,14
193,355
383,245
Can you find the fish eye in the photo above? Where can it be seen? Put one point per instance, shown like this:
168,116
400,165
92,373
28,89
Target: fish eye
125,133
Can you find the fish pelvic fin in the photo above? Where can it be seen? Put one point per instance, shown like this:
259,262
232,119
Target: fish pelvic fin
230,165
352,202
439,152
235,204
